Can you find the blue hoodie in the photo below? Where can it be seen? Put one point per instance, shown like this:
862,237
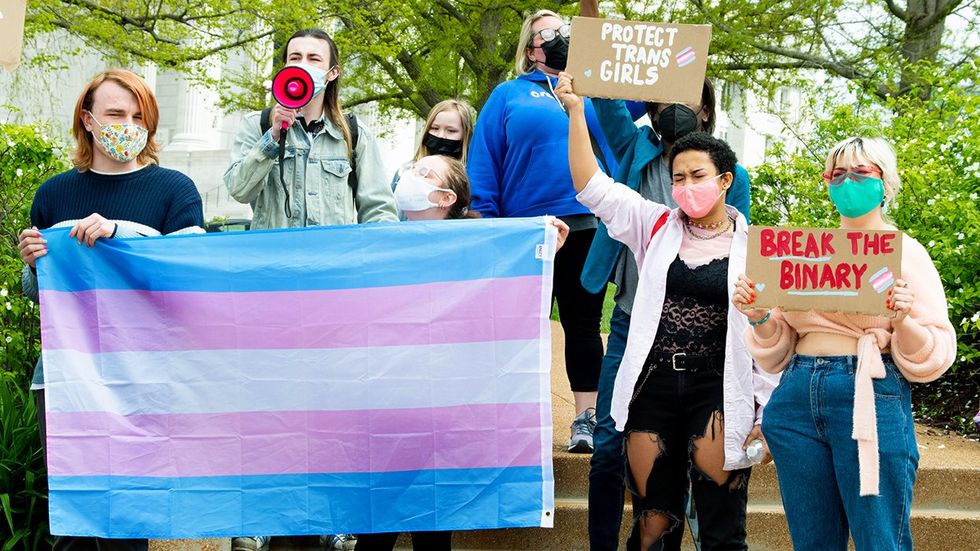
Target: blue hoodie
518,157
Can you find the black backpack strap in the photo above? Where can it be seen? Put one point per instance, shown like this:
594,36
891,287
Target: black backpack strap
596,149
264,123
354,133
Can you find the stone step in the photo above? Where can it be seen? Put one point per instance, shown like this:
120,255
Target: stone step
954,488
938,529
932,529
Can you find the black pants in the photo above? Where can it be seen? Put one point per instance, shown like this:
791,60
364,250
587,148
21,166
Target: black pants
421,541
75,543
677,406
580,312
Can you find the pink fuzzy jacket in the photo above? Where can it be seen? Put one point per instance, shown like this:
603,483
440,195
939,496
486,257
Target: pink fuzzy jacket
874,333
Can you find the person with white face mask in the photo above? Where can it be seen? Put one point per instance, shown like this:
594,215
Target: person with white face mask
687,395
115,189
433,188
331,173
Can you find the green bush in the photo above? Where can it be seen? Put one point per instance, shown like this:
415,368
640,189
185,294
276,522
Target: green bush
938,147
27,158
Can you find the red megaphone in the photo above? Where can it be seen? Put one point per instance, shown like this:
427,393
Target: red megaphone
292,87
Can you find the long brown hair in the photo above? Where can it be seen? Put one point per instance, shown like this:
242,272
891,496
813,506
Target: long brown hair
455,179
84,150
331,94
465,116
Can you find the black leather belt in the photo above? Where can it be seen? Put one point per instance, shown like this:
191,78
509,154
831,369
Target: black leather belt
682,361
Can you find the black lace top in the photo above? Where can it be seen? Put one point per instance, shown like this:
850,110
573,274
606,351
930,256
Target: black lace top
695,312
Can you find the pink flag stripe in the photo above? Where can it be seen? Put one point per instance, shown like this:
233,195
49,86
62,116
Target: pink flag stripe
881,279
432,313
293,442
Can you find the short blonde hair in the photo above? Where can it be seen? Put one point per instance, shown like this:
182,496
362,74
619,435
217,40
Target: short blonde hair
465,115
522,64
874,150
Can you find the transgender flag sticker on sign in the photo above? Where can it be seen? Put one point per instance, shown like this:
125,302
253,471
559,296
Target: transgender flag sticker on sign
882,280
685,57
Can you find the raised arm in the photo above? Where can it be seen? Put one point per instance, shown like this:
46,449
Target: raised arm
581,160
588,8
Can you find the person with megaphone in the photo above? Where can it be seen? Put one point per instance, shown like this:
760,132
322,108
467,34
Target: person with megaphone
302,162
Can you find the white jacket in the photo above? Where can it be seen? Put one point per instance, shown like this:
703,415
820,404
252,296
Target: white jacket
630,219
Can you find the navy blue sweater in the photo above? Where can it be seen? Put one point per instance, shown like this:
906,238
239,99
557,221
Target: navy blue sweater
157,198
149,201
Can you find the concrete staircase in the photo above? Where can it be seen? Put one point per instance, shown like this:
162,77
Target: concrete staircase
945,513
945,508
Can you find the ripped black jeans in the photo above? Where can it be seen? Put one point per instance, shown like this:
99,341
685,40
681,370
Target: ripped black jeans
673,408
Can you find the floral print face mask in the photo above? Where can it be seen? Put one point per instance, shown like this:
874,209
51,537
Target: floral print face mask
122,141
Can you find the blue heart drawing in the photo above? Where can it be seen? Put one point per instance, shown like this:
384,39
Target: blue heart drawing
588,73
760,287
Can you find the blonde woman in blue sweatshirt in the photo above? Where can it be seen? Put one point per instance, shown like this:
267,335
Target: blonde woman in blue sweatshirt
518,166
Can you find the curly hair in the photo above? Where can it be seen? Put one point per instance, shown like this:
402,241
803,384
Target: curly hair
721,153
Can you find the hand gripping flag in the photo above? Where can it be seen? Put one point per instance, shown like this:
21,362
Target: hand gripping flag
370,378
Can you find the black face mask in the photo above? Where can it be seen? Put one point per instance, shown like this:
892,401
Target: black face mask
675,122
556,53
443,146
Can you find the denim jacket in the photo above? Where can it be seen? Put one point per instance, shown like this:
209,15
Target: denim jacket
316,174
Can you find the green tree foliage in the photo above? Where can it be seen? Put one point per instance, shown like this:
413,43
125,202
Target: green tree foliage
938,147
412,54
875,43
26,160
406,54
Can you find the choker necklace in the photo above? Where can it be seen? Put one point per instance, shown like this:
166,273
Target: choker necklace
690,230
711,226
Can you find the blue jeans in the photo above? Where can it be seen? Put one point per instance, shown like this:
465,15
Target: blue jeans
807,425
608,464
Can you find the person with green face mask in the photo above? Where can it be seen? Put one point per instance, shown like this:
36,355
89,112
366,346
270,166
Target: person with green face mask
859,432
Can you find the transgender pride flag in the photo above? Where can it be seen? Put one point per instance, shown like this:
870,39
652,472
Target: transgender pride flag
380,377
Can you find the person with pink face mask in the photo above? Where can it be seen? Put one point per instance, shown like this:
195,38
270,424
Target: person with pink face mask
687,394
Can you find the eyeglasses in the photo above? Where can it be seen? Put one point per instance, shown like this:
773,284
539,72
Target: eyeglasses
421,171
547,35
862,171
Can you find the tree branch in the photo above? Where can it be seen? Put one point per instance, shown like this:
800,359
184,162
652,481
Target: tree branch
896,10
811,61
750,66
943,9
378,97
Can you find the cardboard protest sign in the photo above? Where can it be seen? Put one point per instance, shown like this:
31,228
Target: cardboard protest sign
638,60
816,268
11,32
